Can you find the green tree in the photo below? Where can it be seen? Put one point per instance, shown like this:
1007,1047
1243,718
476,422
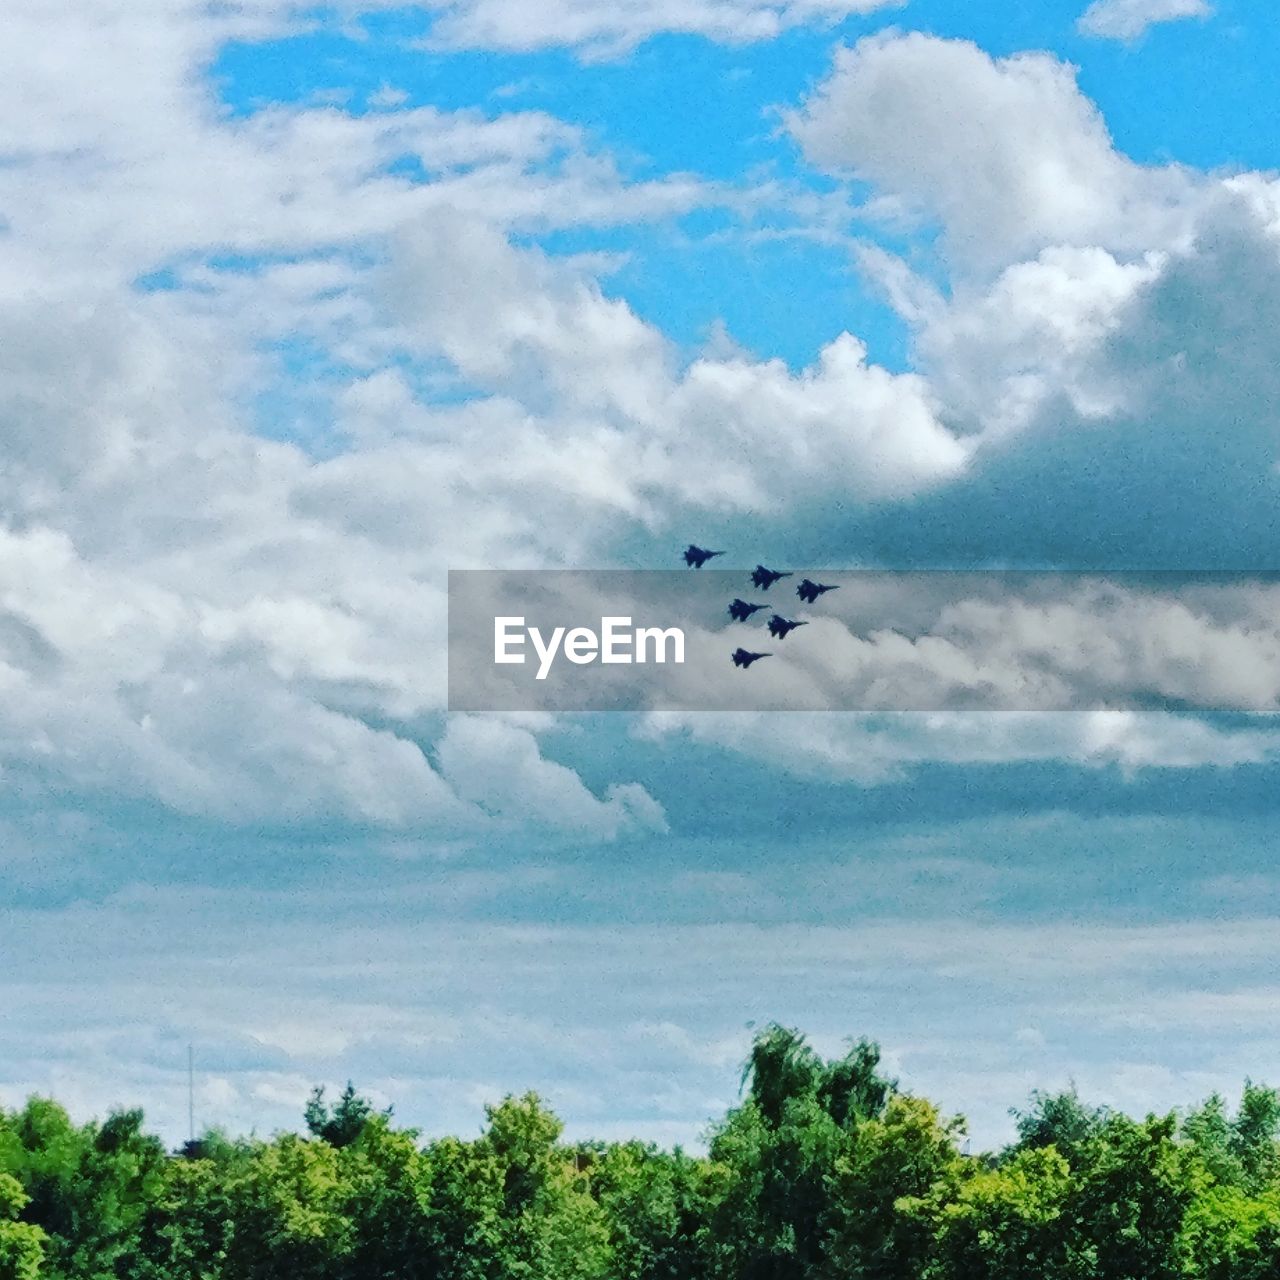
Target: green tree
1132,1187
513,1205
781,1070
1058,1120
824,1171
1253,1135
780,1150
895,1162
386,1186
1229,1235
341,1124
286,1201
190,1222
657,1206
1010,1222
1208,1131
89,1186
21,1244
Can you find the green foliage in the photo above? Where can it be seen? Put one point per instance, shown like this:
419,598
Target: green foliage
1230,1235
514,1204
895,1161
1132,1190
1058,1120
387,1184
1208,1132
292,1203
1011,1222
88,1187
826,1170
21,1244
344,1122
656,1206
1253,1135
783,1152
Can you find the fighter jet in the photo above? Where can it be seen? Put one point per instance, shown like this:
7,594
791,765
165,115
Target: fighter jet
764,578
696,557
744,658
780,627
740,610
810,591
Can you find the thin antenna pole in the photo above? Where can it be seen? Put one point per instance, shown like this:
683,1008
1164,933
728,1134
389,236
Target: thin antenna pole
191,1092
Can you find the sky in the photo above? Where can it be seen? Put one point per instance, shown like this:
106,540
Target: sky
301,307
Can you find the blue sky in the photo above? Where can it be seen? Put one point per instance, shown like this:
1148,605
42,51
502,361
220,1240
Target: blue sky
303,306
691,274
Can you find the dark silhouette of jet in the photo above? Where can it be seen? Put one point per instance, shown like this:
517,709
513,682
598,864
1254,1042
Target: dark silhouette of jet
780,627
810,591
740,610
744,657
764,578
696,557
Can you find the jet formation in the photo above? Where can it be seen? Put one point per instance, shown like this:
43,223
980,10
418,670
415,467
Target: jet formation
741,610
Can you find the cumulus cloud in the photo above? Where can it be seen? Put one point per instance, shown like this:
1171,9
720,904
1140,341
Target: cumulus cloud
486,402
497,765
221,586
1100,332
175,630
628,424
1005,154
181,629
1130,19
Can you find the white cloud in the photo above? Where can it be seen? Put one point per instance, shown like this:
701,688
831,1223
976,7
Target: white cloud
163,554
174,631
439,1005
1083,322
1005,153
497,765
871,750
609,28
632,429
1130,19
177,627
122,159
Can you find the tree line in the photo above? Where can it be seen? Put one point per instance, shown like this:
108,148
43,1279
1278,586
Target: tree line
826,1170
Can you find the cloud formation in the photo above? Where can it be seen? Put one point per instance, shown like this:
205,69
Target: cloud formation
605,28
1006,155
1101,332
486,402
1130,19
468,988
